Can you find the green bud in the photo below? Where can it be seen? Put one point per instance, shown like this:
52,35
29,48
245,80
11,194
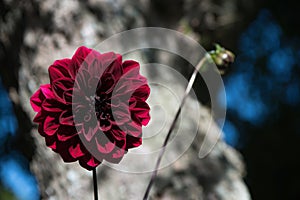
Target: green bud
222,58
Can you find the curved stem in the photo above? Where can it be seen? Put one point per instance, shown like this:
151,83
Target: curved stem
163,149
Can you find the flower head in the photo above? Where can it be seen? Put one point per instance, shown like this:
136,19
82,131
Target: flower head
94,107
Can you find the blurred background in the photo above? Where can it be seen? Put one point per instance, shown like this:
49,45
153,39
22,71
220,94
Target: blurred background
262,86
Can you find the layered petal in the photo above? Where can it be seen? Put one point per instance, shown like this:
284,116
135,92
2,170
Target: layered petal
60,69
94,107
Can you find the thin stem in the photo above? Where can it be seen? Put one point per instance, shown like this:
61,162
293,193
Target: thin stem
95,184
163,149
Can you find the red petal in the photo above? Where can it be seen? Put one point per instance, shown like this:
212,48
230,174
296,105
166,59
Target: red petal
50,125
63,149
93,162
118,155
39,118
75,152
104,146
36,101
140,112
131,87
90,132
65,133
121,113
51,142
89,162
142,93
66,118
79,56
47,91
112,63
132,142
129,65
67,95
133,129
107,83
59,69
52,105
52,146
96,69
39,96
60,87
117,133
109,58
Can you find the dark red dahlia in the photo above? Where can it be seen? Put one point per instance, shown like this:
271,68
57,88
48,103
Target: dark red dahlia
94,107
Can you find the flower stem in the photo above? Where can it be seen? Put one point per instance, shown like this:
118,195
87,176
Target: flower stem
162,151
95,184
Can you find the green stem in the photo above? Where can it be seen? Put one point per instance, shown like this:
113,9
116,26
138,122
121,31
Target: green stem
95,184
163,149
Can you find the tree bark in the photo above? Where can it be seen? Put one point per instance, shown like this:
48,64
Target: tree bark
53,29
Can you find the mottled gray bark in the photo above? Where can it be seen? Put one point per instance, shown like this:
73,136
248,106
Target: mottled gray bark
53,29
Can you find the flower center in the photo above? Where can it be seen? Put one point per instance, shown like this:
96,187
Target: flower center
101,107
92,102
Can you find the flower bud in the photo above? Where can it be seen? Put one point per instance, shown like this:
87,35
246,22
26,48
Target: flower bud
222,58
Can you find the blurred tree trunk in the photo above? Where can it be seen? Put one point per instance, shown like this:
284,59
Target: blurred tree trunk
35,33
